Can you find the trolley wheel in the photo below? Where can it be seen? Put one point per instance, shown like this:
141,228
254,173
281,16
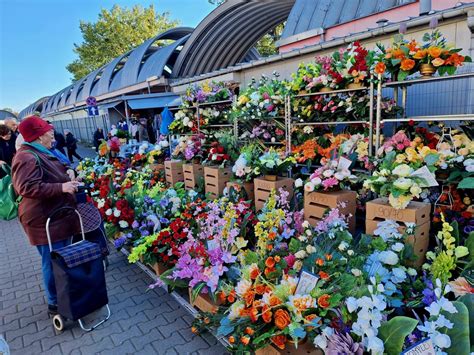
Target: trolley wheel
58,322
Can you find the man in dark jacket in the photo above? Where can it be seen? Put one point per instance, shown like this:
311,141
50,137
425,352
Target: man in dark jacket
98,138
7,149
60,142
71,146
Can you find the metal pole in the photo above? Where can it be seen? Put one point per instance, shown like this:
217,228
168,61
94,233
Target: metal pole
404,100
371,117
198,119
379,114
126,114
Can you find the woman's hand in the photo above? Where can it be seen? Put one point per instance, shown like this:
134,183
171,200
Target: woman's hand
71,174
70,187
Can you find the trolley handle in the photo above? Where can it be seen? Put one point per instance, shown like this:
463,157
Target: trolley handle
48,235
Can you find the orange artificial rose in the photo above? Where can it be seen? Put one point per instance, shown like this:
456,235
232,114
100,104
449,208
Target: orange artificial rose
268,271
279,341
270,262
231,297
455,59
266,314
254,273
253,314
420,54
222,297
232,339
271,235
380,68
249,331
245,340
407,64
319,262
323,301
249,297
269,247
434,52
398,54
274,301
282,319
310,318
437,62
412,46
328,257
260,289
323,275
277,259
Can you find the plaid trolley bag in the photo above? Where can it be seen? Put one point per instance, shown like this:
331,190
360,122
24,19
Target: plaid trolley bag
80,280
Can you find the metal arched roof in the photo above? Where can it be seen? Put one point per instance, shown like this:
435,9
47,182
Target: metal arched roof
38,105
226,35
6,114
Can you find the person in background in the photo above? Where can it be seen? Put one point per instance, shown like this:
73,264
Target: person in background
71,146
12,123
122,125
7,149
60,142
98,138
134,129
142,130
45,185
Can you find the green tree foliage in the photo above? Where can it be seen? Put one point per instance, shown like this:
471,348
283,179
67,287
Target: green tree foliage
114,33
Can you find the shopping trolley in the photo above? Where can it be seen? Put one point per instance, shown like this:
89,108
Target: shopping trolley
79,278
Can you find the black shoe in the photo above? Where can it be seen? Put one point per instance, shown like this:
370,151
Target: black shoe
52,309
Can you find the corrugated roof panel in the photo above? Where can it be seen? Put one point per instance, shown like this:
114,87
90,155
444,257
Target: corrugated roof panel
308,15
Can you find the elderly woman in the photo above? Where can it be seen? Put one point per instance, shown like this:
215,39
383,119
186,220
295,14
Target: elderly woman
45,185
7,149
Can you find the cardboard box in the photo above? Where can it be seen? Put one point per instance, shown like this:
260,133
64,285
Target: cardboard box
192,173
420,240
247,186
174,171
203,302
317,203
215,180
263,188
303,349
416,212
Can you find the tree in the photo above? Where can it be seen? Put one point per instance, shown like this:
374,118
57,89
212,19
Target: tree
266,45
113,34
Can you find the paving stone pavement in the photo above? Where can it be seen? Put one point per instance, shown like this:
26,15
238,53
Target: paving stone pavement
141,323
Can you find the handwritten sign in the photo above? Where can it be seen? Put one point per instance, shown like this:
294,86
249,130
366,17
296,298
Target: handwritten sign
306,283
424,347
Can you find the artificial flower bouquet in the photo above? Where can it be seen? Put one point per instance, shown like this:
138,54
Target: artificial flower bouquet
274,162
264,98
265,131
245,167
190,148
216,155
407,57
351,64
403,172
334,175
185,121
209,92
159,152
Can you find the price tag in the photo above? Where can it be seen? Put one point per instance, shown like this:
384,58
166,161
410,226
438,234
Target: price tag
423,347
306,283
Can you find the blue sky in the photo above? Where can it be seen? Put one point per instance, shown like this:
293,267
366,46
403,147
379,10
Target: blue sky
37,37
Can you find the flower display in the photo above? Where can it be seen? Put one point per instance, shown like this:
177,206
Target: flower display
273,162
189,148
245,168
335,175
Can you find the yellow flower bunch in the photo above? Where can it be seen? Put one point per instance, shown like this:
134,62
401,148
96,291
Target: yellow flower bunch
141,249
446,237
265,228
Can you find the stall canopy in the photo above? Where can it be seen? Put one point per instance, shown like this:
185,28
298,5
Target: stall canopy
155,102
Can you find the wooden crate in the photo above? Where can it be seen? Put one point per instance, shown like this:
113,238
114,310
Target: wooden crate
303,349
317,203
417,212
159,268
157,167
203,302
192,173
215,180
380,210
247,186
174,171
263,188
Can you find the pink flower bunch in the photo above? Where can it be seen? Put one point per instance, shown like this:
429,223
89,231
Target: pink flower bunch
399,142
330,176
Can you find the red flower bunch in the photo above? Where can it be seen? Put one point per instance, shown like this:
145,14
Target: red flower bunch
361,54
126,212
216,154
195,210
428,137
166,245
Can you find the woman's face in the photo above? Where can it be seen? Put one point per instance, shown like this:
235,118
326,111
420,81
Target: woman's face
7,136
47,139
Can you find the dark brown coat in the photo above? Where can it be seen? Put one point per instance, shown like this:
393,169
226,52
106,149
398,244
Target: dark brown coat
41,189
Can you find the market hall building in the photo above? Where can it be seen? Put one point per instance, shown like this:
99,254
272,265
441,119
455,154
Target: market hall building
221,48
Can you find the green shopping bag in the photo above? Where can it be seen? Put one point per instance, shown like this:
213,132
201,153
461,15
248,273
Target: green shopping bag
8,200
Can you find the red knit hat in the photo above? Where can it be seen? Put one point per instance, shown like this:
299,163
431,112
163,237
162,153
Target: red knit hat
33,127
